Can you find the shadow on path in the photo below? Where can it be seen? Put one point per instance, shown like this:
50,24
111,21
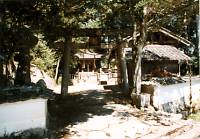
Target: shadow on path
76,108
79,113
64,112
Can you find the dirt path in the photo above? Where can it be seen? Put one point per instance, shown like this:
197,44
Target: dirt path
106,114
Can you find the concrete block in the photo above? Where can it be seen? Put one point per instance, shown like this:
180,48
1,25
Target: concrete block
23,115
141,100
174,98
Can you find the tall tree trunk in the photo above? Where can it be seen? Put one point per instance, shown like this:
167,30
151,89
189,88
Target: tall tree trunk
124,72
118,61
137,57
121,65
65,74
23,70
198,34
136,63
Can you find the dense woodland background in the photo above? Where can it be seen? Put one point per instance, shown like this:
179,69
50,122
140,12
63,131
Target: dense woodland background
36,25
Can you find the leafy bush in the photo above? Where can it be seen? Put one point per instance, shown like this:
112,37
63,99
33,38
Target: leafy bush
43,57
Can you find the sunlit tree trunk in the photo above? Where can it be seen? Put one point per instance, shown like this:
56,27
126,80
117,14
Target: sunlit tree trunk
57,68
124,72
136,64
198,25
137,57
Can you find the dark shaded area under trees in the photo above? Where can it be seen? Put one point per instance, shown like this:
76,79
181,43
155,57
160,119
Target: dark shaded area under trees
57,20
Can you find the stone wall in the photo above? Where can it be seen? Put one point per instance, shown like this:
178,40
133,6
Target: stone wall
174,98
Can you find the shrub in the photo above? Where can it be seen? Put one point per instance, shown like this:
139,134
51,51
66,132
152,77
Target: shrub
43,57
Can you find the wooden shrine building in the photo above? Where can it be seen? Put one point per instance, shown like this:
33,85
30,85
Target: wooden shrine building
89,61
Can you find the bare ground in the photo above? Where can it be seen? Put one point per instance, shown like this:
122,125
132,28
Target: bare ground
91,111
107,114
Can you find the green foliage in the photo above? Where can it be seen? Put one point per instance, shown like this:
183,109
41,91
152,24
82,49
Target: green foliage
104,62
53,17
195,116
43,56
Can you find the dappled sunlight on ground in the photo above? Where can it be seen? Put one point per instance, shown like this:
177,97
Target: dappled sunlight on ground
92,111
103,114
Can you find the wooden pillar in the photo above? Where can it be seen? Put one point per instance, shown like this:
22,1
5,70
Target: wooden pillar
65,74
179,68
83,65
88,66
94,64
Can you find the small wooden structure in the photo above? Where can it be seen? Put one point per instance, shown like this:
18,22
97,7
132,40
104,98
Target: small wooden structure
160,57
166,57
89,61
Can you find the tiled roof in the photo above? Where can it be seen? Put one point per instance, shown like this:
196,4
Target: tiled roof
160,52
88,55
165,52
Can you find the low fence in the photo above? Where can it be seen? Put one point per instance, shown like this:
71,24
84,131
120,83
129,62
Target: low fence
95,77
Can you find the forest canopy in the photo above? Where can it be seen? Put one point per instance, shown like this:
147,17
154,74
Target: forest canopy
22,20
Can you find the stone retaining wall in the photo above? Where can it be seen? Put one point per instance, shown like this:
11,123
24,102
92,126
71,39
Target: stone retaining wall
174,98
